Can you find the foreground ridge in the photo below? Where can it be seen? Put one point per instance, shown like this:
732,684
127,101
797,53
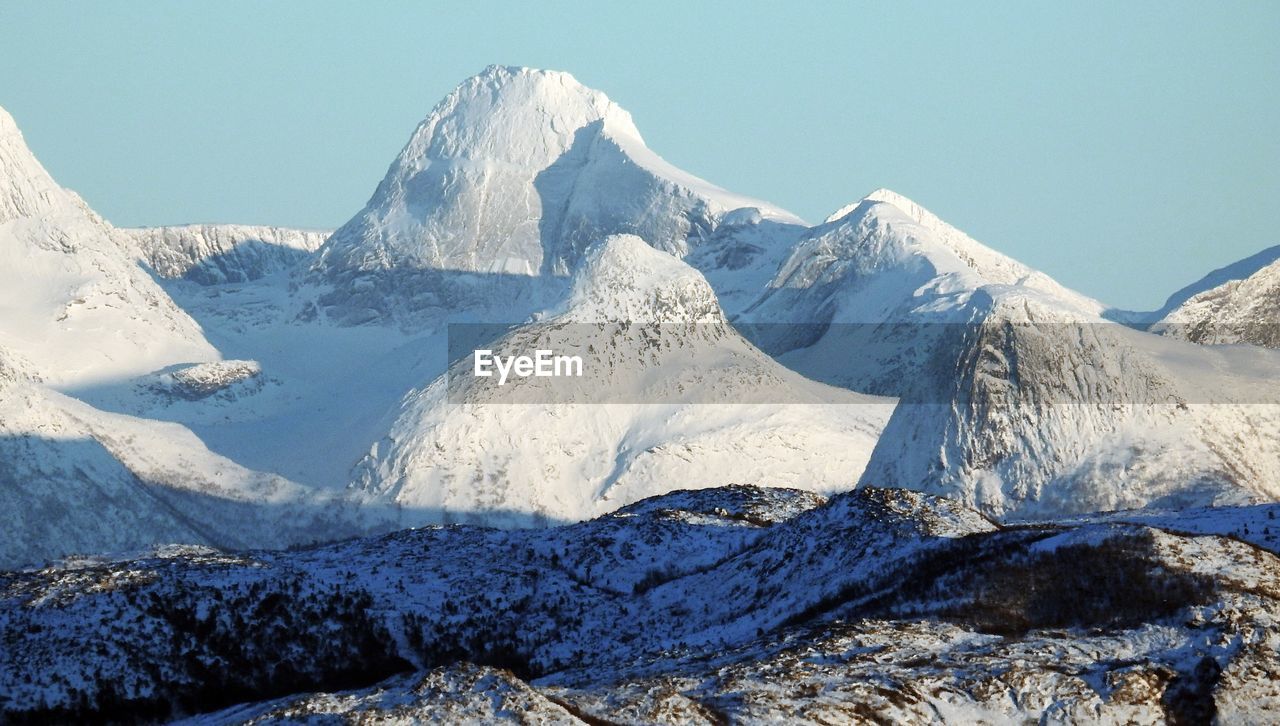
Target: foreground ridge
737,603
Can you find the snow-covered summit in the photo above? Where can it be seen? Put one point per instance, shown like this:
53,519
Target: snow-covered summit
517,172
887,230
1216,279
624,280
668,394
73,300
26,189
517,115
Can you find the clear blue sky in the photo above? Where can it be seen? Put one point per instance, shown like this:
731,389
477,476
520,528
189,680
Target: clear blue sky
1124,148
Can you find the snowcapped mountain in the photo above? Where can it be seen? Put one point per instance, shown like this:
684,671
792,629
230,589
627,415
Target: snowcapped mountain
80,480
487,216
885,279
212,254
72,300
515,174
1018,397
78,314
885,259
1237,270
722,345
1030,413
670,393
1241,306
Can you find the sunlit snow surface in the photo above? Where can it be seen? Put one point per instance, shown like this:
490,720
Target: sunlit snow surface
205,396
311,373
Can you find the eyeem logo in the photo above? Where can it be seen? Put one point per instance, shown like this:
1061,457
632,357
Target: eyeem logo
542,364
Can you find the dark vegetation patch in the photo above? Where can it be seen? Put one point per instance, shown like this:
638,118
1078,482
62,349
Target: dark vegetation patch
213,648
1115,584
1189,698
993,584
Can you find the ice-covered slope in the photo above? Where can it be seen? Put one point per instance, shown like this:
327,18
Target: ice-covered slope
78,480
1018,397
1238,310
211,254
515,173
73,300
671,395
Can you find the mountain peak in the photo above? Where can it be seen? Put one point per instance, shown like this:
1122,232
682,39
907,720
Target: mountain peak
1243,308
886,196
1238,270
7,124
502,74
886,229
521,116
548,83
521,170
76,304
623,279
26,189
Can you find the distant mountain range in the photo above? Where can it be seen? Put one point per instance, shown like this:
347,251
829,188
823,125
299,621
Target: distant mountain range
851,470
322,359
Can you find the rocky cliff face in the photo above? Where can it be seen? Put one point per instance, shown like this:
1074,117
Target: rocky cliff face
1244,310
212,254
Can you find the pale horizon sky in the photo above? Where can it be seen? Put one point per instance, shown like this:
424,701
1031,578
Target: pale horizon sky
1125,150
